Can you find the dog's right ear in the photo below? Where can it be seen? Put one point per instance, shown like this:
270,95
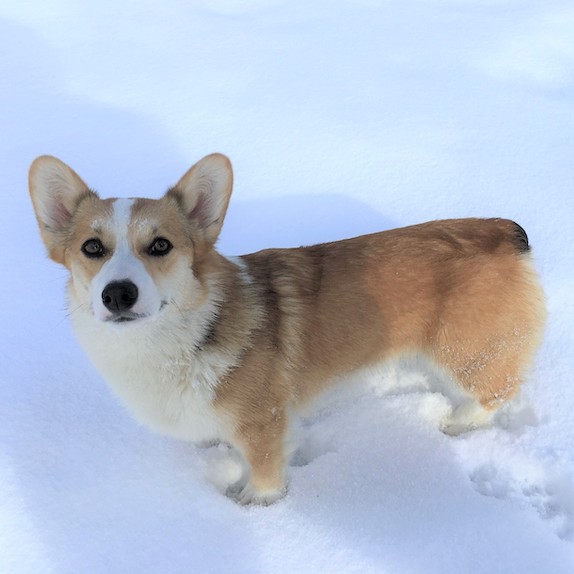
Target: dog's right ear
56,191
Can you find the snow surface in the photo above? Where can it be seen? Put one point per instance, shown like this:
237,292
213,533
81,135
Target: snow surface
341,117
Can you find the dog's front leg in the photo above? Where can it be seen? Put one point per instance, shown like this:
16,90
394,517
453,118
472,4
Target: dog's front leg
263,445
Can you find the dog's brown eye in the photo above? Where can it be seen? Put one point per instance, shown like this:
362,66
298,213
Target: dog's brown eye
160,246
93,248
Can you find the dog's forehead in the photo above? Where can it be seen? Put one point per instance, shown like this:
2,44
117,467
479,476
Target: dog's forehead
150,213
94,214
152,216
118,216
111,216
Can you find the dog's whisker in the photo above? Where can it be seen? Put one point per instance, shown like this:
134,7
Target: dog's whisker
174,303
60,278
70,312
75,309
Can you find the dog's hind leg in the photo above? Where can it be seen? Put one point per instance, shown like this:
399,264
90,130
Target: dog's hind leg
468,416
489,379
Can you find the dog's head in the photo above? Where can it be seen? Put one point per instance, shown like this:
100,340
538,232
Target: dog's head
131,258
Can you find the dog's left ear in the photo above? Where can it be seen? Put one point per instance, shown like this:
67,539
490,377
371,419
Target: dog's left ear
204,193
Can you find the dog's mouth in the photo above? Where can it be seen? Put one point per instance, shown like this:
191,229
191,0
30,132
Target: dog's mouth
125,317
130,316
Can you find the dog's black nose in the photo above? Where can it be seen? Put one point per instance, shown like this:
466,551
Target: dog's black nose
119,296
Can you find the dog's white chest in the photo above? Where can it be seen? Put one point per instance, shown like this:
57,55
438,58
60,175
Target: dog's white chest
168,389
171,397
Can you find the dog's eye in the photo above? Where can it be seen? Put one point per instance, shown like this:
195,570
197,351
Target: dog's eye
93,248
160,246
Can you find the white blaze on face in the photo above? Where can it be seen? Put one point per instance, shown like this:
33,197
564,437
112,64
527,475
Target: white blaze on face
124,265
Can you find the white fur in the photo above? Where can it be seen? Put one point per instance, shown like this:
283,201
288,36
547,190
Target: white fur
468,416
243,269
155,370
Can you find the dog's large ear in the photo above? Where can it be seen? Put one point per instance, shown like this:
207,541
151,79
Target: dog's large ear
204,193
56,191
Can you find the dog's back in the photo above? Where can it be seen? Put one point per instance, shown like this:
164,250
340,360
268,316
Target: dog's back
336,307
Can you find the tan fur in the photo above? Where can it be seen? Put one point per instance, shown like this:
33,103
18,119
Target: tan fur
290,321
458,291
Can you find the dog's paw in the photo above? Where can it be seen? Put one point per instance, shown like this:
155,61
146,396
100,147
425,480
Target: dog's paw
246,494
451,428
465,418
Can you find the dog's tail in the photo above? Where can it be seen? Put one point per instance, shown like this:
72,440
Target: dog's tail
520,238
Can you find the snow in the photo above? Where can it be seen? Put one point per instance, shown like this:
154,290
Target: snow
340,117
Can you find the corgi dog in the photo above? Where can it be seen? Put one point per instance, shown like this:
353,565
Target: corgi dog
207,348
